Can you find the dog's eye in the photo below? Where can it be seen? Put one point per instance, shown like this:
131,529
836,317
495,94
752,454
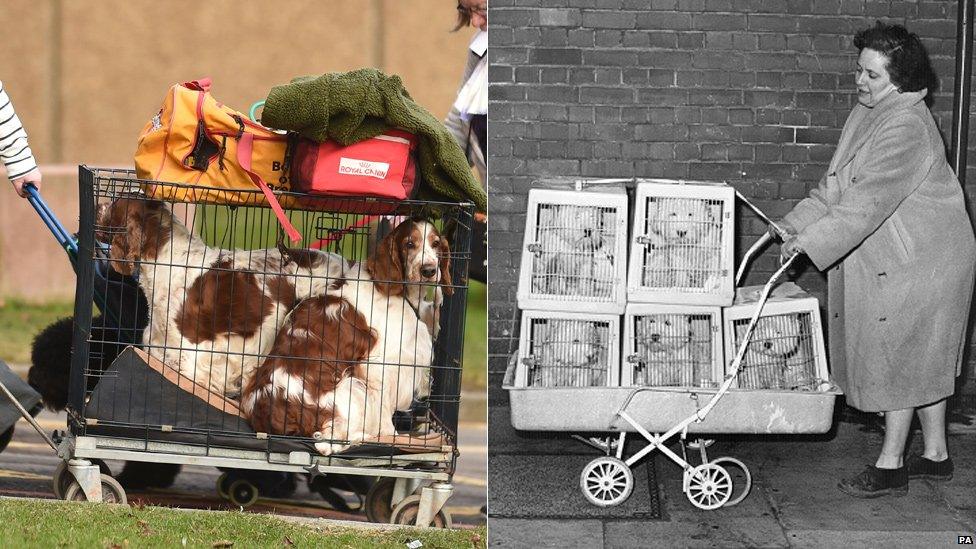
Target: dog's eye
667,322
408,244
437,242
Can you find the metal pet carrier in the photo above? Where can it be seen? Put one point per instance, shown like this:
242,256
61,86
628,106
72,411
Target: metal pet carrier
672,346
569,350
786,350
681,243
249,346
575,248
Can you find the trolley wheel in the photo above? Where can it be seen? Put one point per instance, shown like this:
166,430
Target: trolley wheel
607,481
379,500
223,485
242,493
62,479
112,491
406,512
740,477
709,486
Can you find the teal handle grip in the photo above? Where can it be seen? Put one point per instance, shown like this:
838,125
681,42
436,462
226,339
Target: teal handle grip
257,105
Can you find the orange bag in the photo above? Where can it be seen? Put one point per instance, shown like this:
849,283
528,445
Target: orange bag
195,140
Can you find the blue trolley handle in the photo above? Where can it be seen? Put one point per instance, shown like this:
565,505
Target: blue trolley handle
64,238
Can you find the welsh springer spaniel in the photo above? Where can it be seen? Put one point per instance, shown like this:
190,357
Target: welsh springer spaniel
214,313
345,362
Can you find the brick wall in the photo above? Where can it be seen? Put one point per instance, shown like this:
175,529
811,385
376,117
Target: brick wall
753,92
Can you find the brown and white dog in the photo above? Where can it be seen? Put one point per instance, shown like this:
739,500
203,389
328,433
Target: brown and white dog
213,312
345,362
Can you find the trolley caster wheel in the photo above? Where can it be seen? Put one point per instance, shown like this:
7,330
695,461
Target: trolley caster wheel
405,513
379,500
112,491
740,477
242,493
63,477
607,481
223,485
709,486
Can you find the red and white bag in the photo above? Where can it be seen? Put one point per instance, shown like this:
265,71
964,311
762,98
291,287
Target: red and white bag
381,167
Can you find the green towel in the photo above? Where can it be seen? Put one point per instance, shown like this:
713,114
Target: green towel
351,106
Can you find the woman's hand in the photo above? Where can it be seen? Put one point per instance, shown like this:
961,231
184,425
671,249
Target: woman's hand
33,176
789,249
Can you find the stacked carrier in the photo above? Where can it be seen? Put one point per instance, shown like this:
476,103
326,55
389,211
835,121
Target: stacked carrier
655,305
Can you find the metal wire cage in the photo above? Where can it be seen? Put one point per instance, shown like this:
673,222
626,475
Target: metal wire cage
681,247
672,346
786,350
574,249
568,350
147,380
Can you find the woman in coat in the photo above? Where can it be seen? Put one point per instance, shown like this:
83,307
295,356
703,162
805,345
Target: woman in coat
888,223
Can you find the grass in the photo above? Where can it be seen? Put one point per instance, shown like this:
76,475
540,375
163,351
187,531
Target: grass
20,322
33,523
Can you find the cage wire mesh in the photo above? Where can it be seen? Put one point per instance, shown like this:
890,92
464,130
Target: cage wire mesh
672,350
781,353
211,292
568,353
684,247
574,251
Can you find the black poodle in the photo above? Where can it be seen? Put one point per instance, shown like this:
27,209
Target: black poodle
49,375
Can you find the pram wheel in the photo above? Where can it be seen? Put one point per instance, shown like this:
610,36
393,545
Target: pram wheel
112,491
708,486
223,485
407,510
740,477
607,481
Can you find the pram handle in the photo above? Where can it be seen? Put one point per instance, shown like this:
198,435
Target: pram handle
64,238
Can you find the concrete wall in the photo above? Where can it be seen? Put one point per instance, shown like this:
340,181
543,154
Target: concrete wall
753,92
86,75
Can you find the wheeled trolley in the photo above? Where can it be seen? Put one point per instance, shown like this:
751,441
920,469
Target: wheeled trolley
134,395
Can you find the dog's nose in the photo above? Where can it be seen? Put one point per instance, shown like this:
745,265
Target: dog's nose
681,234
428,272
768,344
587,233
655,338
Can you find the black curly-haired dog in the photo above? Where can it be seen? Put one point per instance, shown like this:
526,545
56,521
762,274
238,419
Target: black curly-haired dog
49,375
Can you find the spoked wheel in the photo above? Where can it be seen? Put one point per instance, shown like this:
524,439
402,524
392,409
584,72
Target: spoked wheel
379,506
406,512
607,481
709,486
112,491
741,479
242,493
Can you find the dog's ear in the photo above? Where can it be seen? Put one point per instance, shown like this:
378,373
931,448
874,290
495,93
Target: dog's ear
385,265
122,224
444,258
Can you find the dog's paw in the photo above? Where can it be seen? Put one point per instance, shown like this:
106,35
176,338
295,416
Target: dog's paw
326,445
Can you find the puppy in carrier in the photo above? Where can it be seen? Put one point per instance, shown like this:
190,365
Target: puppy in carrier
779,355
571,241
685,242
571,353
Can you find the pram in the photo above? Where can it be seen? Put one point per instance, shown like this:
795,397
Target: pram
414,483
660,413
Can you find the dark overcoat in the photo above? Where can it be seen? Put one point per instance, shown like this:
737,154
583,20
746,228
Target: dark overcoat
889,224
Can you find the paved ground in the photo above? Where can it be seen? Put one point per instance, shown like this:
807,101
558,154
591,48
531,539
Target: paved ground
28,462
794,501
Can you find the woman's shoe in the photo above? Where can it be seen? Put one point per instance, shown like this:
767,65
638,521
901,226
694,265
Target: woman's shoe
925,468
874,482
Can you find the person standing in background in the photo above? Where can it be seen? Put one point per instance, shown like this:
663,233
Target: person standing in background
14,150
468,119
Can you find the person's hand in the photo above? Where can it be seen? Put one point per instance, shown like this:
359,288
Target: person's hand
33,176
789,249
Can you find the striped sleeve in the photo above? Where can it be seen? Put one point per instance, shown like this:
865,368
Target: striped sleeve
14,150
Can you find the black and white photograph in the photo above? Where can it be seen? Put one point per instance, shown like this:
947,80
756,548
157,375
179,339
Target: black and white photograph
731,268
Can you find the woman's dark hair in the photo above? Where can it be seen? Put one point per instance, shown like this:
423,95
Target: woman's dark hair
908,62
463,18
